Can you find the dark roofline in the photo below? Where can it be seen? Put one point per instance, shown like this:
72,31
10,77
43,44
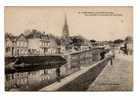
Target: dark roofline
20,36
10,36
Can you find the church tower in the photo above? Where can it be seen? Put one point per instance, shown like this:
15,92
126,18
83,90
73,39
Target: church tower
65,28
65,41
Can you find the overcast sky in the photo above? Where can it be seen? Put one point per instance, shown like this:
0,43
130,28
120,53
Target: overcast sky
51,20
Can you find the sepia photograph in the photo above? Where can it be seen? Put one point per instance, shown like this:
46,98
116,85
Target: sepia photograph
68,48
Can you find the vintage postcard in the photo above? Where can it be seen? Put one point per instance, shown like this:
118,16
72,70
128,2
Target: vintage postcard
68,48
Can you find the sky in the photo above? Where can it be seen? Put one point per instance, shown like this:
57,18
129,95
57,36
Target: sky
90,22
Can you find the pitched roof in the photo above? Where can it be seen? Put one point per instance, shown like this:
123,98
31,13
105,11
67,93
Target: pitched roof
21,35
37,34
10,36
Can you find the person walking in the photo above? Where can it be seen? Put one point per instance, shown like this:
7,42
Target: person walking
58,76
111,55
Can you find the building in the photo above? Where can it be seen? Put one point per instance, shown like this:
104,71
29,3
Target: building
21,46
9,45
86,45
129,45
36,43
53,45
66,40
41,43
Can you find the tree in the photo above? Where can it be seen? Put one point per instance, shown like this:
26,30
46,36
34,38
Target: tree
34,31
117,41
77,40
92,41
128,39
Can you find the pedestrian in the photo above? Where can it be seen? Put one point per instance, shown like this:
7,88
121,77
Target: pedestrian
102,55
111,61
113,53
111,56
58,74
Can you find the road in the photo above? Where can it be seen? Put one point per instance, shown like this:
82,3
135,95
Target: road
118,77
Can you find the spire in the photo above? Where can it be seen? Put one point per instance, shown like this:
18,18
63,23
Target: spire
65,28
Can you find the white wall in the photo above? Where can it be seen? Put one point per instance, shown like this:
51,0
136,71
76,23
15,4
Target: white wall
34,44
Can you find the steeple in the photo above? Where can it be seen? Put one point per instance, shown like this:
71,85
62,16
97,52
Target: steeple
65,28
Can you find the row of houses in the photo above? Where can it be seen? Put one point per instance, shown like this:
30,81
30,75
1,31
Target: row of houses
35,43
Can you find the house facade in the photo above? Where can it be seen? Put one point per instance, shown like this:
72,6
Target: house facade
33,44
41,44
9,45
21,46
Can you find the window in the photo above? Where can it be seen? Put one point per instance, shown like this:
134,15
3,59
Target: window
7,49
17,43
